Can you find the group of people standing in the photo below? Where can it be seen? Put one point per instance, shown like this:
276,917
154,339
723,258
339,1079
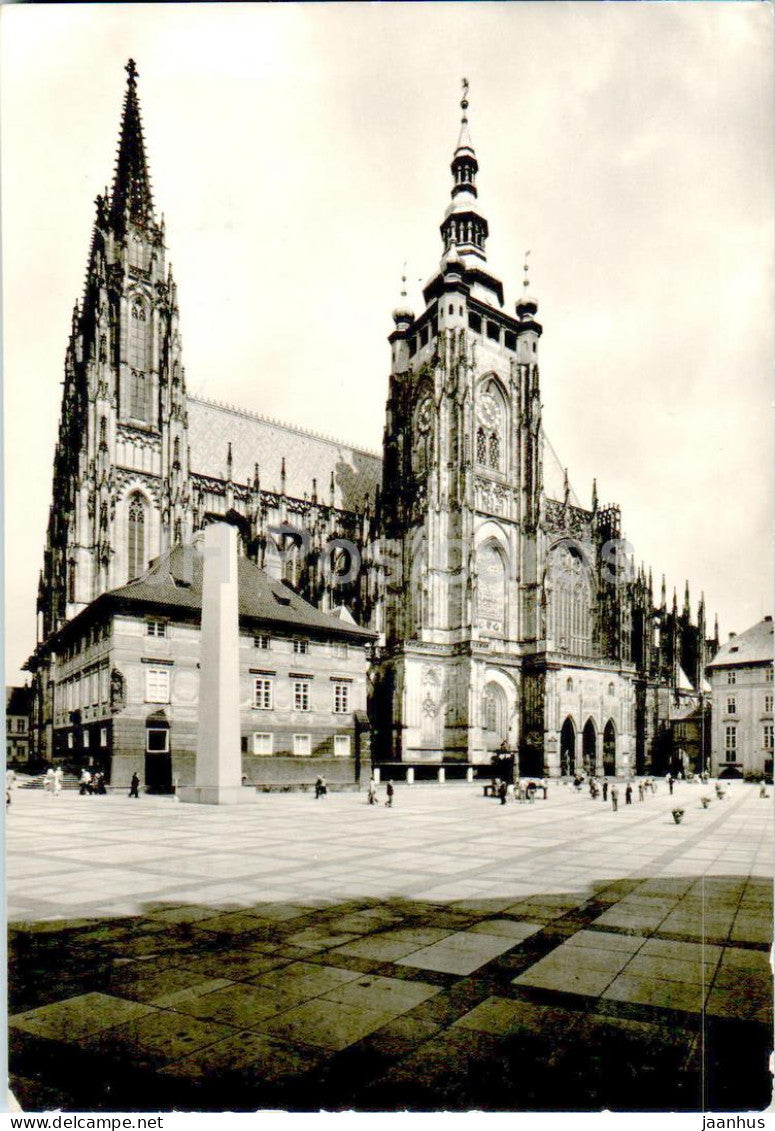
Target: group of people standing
520,790
92,781
372,794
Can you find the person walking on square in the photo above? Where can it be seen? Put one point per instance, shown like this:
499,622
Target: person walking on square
58,775
371,795
605,790
614,798
85,782
502,791
10,781
670,783
628,794
389,790
134,786
318,788
641,794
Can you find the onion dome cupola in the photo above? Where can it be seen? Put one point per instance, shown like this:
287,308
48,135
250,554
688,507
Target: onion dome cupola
527,306
403,315
463,222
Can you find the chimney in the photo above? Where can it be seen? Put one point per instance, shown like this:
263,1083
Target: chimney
732,635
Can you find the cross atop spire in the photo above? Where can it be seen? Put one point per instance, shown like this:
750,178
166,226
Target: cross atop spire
132,183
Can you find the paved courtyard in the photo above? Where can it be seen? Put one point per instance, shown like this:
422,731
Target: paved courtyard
449,953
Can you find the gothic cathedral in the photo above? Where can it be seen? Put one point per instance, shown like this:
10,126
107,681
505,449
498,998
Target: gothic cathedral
510,617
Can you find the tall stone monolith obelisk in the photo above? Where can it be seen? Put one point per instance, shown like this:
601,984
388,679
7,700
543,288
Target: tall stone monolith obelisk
218,755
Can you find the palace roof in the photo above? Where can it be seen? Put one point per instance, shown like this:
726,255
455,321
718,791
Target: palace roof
173,584
754,646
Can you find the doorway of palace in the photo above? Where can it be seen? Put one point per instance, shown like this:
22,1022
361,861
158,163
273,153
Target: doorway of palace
609,749
495,716
568,748
589,748
158,758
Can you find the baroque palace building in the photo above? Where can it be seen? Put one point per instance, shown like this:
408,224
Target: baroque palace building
506,612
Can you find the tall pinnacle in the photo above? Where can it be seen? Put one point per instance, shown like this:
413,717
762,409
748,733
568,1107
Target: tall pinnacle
463,223
131,183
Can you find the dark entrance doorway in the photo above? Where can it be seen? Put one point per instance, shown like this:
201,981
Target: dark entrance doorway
609,749
589,748
568,748
158,758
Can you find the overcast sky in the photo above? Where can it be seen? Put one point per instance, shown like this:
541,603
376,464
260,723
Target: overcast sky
301,153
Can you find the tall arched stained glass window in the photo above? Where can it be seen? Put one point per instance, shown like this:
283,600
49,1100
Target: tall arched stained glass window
495,450
135,537
481,447
138,336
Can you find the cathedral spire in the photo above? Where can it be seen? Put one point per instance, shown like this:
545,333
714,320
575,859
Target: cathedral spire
132,184
463,222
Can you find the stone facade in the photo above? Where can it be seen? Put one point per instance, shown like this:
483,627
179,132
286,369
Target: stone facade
507,612
741,679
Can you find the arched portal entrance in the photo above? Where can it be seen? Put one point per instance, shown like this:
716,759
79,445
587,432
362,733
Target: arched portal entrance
589,747
568,748
609,749
495,721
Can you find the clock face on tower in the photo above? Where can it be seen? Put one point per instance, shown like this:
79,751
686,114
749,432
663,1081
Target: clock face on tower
424,415
489,413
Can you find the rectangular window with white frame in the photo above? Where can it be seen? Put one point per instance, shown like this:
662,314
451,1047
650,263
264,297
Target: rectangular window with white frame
342,745
770,673
262,642
301,695
341,698
730,743
731,705
768,704
156,628
157,684
302,745
301,647
767,736
339,651
731,677
263,742
103,736
263,694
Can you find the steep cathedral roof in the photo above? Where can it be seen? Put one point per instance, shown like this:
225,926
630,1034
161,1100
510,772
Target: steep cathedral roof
257,439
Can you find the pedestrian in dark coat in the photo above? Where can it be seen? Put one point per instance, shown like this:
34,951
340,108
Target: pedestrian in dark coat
670,784
628,794
389,790
134,786
641,794
605,791
614,798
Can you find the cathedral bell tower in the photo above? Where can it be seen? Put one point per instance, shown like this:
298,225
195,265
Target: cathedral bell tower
121,485
460,500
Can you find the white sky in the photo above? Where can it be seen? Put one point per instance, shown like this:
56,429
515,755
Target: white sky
301,153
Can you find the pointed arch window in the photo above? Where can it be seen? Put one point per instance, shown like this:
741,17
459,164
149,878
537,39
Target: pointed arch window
176,453
136,537
138,336
491,416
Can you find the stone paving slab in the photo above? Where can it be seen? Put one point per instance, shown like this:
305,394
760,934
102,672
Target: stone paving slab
446,953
